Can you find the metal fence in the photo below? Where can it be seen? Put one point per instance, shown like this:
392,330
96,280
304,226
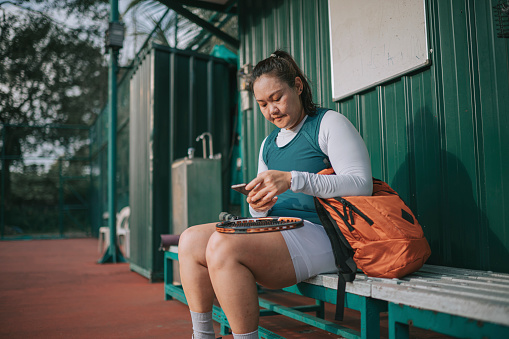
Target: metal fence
99,158
44,181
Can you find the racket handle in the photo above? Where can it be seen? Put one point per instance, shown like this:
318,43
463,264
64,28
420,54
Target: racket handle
225,216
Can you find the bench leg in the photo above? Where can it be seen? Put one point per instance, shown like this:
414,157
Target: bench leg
397,329
168,274
401,317
224,330
320,312
370,317
219,316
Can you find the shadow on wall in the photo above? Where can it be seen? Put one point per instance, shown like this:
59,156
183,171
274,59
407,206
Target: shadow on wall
439,189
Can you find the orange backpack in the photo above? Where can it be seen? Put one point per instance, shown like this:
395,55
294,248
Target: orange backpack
378,234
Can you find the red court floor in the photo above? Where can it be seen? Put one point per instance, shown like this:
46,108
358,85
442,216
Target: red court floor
56,289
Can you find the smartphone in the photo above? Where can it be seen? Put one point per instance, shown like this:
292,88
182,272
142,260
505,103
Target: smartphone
241,188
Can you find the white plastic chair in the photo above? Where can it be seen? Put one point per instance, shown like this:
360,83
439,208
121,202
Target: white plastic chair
123,229
104,233
123,233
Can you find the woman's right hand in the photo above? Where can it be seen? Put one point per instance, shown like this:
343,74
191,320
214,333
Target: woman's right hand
260,205
266,187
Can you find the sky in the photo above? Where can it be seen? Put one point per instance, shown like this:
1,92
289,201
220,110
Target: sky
131,44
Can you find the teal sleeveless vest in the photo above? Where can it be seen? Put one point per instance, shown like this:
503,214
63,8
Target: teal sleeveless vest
302,154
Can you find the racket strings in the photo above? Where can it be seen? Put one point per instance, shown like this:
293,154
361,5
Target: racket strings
258,223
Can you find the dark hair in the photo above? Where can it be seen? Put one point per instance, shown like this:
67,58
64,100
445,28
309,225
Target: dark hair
281,65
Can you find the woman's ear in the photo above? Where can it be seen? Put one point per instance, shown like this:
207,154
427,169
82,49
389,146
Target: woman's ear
299,86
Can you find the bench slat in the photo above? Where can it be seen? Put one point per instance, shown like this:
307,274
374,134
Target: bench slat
463,280
445,302
460,287
468,293
359,287
470,280
461,271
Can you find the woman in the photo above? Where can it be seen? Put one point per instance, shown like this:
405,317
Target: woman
308,139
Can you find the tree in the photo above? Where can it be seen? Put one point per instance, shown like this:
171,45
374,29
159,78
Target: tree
50,73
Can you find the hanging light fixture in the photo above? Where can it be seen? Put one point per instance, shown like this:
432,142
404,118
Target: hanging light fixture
115,36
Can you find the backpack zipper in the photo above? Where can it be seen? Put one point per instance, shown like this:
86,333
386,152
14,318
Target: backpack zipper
346,203
343,217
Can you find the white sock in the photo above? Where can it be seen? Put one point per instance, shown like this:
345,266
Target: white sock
203,326
252,335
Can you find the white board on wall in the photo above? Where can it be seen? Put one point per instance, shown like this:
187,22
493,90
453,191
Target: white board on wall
373,41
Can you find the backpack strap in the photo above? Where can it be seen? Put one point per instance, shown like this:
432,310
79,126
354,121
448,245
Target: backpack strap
343,254
343,278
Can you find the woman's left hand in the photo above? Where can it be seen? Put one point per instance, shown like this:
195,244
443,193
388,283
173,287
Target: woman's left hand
267,185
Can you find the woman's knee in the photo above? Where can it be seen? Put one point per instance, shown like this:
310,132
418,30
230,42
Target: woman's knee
221,250
186,240
194,240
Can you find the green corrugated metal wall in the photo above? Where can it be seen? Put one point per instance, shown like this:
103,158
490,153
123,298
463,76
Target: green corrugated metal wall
148,112
299,27
439,136
175,96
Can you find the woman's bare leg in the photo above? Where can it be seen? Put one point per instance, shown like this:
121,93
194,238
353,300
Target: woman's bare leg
235,262
193,267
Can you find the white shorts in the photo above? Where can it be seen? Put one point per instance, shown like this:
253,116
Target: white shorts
310,250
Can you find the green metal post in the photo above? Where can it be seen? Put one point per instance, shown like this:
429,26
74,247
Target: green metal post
60,199
112,254
2,207
90,186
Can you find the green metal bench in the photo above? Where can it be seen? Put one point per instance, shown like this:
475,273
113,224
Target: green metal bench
456,302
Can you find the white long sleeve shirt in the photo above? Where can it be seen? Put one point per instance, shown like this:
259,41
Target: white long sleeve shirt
348,155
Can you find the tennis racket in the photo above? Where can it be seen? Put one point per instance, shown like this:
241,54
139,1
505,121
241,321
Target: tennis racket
259,225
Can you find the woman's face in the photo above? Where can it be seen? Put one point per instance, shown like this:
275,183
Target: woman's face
280,104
